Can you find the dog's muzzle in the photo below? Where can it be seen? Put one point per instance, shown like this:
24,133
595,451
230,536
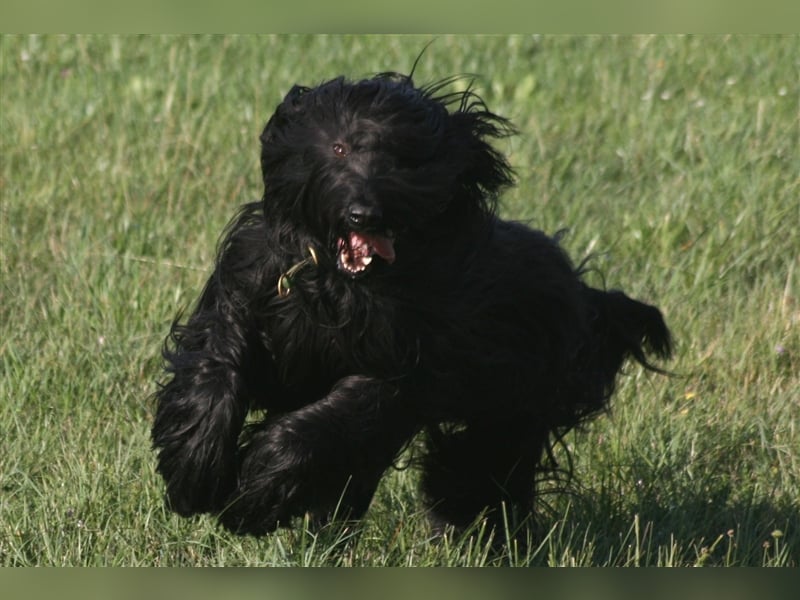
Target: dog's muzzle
364,241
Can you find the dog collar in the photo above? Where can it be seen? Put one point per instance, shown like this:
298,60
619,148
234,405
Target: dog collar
285,280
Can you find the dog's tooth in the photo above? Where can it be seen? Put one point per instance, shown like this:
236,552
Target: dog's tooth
366,260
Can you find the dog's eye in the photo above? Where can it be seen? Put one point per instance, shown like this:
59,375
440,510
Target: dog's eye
340,150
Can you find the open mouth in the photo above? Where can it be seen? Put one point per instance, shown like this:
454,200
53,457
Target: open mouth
355,253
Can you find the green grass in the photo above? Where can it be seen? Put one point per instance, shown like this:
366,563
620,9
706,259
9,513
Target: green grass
672,160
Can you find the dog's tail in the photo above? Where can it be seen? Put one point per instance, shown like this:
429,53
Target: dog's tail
625,328
618,328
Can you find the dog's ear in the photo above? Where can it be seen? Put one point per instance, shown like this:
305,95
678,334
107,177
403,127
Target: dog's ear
289,105
293,96
484,169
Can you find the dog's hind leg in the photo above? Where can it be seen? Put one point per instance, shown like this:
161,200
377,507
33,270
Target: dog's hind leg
485,468
325,458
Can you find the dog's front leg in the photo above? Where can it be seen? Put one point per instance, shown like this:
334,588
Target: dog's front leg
216,363
326,458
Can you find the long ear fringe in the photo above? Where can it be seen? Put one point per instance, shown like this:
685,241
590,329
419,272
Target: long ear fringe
493,173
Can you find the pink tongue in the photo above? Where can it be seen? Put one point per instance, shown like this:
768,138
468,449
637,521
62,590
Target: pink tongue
383,246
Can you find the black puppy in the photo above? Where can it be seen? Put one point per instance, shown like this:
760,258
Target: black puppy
373,295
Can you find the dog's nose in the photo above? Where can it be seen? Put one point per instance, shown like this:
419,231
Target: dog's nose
361,215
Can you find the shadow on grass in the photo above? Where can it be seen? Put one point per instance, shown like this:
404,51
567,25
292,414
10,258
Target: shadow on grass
675,525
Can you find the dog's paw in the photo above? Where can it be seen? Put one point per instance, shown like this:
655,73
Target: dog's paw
289,470
251,516
275,482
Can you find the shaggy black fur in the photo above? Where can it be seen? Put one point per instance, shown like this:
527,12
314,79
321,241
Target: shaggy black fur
372,295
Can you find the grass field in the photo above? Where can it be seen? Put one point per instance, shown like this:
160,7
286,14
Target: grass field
672,160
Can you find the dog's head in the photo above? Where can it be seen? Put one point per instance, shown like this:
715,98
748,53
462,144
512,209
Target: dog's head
378,168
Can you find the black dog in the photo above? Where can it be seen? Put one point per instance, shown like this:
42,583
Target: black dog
374,295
